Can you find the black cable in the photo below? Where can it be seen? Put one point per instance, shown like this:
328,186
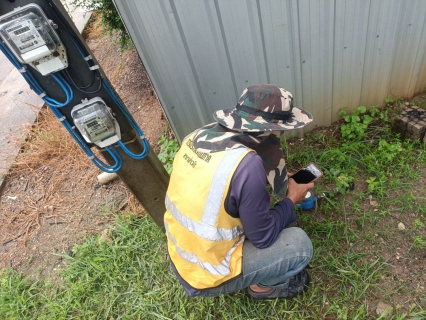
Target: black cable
81,87
69,78
91,82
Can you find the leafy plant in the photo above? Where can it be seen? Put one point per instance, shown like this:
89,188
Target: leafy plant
168,150
388,152
389,100
356,123
381,114
110,17
343,182
373,184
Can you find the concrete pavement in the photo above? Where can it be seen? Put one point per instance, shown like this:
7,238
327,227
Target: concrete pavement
19,105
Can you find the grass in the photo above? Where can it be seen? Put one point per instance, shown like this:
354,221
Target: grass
126,275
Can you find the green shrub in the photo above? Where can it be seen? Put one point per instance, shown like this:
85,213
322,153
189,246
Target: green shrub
356,123
110,17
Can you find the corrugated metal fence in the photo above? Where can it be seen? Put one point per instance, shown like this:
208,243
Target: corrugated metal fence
330,54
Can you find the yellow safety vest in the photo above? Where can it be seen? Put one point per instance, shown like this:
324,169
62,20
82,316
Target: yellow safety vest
204,242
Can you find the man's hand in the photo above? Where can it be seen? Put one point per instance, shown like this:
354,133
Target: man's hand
297,192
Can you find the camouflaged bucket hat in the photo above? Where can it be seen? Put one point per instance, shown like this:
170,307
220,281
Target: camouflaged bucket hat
263,107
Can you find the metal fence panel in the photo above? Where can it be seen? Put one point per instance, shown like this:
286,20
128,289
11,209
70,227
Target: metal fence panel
330,54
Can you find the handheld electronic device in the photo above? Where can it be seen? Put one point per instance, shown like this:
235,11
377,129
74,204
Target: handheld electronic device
307,174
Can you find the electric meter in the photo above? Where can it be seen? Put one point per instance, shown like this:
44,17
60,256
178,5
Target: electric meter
95,122
29,35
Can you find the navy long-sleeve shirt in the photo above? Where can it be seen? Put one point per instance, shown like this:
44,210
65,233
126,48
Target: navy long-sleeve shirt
248,199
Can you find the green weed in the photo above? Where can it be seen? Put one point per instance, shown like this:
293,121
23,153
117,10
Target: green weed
357,122
168,149
373,185
111,19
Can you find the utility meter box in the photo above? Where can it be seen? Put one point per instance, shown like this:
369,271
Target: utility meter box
30,36
411,123
95,122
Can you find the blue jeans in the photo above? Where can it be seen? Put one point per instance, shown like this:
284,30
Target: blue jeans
272,266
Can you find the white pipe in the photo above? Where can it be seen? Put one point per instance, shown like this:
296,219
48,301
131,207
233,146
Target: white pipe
106,177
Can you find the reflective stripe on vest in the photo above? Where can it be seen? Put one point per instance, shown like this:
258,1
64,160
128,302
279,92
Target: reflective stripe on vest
202,230
217,270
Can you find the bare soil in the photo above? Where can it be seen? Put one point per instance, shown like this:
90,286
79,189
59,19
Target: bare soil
52,199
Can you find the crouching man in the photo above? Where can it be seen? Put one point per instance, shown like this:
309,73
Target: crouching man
222,234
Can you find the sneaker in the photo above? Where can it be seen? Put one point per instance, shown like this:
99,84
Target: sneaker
297,285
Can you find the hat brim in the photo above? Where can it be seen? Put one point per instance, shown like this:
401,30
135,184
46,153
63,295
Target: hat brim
238,120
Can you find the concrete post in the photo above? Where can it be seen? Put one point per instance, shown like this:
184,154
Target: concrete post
146,179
